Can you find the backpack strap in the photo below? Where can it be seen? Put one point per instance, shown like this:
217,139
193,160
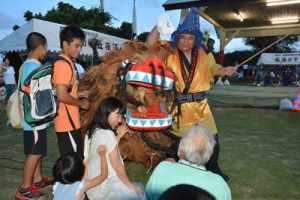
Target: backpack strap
70,118
21,69
77,73
20,75
57,58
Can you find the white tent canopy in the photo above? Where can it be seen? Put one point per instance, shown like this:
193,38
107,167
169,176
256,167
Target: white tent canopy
16,41
279,59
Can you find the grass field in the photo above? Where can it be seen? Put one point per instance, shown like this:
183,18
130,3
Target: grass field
260,151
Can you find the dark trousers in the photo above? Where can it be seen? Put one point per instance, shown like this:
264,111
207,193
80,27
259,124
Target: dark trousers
65,145
212,165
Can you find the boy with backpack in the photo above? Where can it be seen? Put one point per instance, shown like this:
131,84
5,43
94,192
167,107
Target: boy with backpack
67,122
34,138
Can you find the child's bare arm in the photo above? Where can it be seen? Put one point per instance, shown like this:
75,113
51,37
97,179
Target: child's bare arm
86,163
104,170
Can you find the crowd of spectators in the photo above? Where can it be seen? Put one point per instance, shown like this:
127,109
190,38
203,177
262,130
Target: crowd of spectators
269,75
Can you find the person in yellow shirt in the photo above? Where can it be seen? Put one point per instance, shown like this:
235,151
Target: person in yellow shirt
194,68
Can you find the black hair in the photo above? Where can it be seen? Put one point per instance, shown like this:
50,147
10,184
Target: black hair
106,107
3,60
35,39
68,168
69,33
185,191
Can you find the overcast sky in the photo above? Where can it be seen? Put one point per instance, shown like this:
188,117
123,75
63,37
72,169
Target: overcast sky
147,11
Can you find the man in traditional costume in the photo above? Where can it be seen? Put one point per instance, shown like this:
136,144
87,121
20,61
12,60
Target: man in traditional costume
195,69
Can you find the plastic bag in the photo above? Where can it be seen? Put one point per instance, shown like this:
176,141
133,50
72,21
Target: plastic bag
13,111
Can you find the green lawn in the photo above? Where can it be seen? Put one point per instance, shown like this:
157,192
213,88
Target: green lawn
260,151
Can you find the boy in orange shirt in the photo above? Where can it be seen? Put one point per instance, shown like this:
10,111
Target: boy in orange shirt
67,122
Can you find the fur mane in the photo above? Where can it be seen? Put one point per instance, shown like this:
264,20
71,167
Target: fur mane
101,81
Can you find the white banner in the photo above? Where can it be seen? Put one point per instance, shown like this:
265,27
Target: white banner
279,59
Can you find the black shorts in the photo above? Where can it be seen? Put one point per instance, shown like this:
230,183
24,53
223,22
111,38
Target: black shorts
70,141
35,142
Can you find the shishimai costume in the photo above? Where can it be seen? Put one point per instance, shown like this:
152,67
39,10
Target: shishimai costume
192,81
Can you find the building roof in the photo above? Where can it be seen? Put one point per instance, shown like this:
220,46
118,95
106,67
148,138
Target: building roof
257,16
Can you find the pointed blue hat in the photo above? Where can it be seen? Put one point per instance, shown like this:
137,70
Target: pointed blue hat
190,26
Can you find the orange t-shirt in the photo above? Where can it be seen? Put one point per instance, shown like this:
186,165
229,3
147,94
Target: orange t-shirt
63,75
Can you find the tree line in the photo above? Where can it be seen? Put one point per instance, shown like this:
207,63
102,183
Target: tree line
97,20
